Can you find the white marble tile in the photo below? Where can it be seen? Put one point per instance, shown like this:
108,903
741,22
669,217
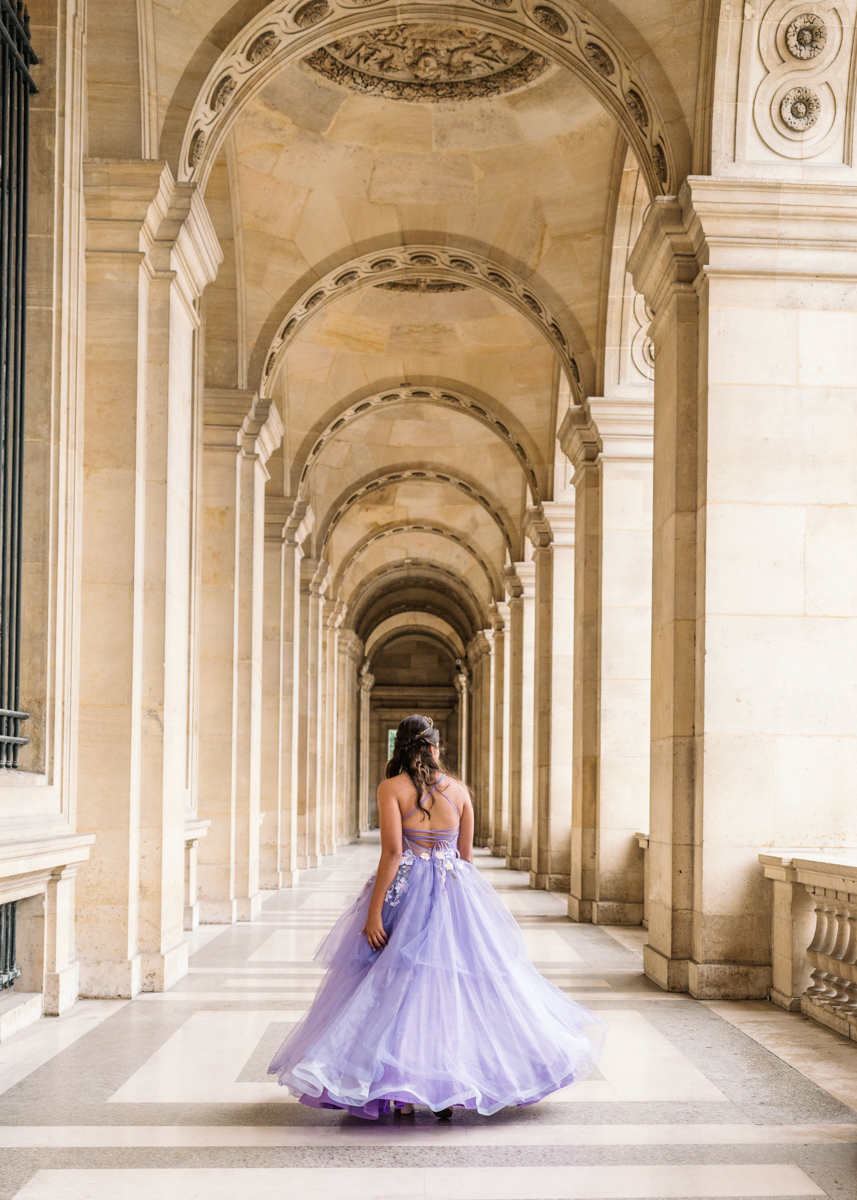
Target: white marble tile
199,998
632,937
201,1062
202,935
287,945
348,1134
47,1038
439,1183
546,945
296,971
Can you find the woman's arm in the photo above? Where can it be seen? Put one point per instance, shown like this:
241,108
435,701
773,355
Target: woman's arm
391,855
465,832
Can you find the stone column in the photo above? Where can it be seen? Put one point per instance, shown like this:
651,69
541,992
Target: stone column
754,727
286,526
310,732
553,560
609,442
332,615
480,658
367,682
519,856
241,431
350,655
462,686
498,833
151,251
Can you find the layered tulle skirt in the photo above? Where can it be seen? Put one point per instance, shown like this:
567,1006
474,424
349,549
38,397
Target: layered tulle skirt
450,1012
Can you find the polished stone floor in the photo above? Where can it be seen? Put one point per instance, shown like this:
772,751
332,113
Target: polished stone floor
166,1097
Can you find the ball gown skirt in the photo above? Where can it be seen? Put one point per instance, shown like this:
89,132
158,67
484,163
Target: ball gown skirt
450,1012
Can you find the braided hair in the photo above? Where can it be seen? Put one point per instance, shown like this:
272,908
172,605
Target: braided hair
412,756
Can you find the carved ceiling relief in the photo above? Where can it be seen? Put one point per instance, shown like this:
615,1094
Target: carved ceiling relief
457,57
801,97
426,63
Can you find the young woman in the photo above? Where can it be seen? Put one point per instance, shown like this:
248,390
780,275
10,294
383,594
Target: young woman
430,997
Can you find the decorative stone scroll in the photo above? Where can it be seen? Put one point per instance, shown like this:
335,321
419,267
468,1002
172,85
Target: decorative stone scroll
421,264
472,48
425,395
428,62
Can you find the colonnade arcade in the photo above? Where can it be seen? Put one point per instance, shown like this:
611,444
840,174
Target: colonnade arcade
489,360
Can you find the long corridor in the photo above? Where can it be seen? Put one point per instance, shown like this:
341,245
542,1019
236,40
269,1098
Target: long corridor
167,1096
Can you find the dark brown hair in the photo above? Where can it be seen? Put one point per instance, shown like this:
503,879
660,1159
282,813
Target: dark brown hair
412,756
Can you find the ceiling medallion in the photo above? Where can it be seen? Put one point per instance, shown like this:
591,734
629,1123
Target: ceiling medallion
428,62
806,36
800,108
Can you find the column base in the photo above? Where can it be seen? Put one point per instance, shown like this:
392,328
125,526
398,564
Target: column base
217,912
580,910
668,973
517,862
728,981
789,1003
549,883
250,908
308,862
61,989
111,979
616,912
275,881
161,971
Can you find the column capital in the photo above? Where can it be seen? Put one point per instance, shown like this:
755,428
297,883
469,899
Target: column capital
138,208
462,683
351,646
314,575
526,573
367,680
560,517
664,262
239,419
512,585
537,529
287,520
608,428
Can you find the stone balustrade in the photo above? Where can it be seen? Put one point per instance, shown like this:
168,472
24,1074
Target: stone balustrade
814,934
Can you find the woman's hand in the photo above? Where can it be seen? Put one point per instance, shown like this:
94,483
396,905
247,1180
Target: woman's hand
374,930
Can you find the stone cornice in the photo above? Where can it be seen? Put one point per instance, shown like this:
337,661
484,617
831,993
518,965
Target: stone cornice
512,585
578,437
238,418
126,203
664,258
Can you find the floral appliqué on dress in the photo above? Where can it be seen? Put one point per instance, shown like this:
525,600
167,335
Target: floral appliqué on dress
400,883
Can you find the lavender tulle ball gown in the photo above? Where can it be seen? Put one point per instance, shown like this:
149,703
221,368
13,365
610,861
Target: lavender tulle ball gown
450,1012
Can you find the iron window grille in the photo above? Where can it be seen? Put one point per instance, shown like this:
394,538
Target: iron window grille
16,87
8,929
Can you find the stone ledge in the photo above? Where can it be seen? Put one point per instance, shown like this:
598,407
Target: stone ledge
17,1011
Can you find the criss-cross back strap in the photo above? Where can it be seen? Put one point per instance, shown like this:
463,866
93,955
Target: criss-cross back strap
436,783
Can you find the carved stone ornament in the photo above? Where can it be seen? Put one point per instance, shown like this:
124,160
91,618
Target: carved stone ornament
312,13
600,59
550,20
427,62
637,108
800,109
223,93
263,47
423,285
659,162
197,145
806,36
